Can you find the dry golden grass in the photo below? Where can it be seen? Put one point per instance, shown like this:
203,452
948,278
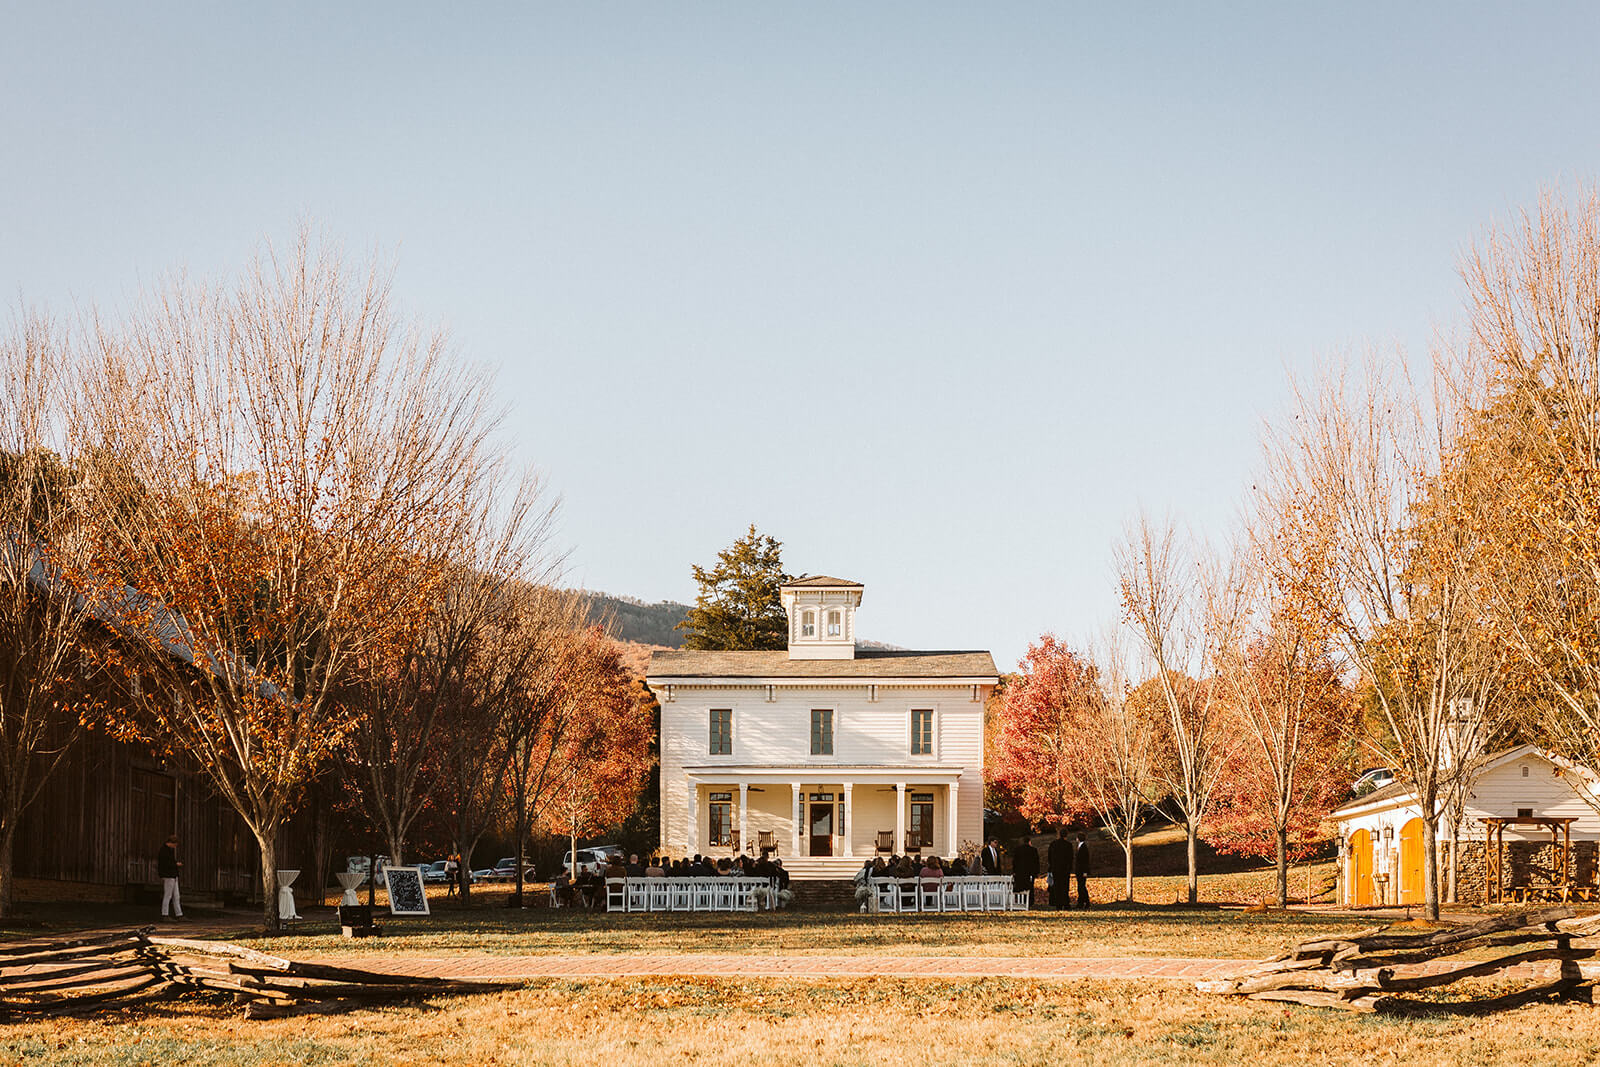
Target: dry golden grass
740,1022
1099,932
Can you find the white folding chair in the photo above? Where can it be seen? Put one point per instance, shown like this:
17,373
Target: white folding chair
950,894
660,894
885,895
616,894
1022,901
930,892
726,893
908,893
997,894
638,895
972,894
704,894
681,891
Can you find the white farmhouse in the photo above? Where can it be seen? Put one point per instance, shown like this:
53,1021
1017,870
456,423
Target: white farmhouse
825,752
1524,809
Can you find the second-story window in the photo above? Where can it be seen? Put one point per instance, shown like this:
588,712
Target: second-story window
835,626
808,624
822,731
722,731
922,732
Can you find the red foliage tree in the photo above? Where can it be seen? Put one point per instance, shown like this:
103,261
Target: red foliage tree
1274,794
1040,735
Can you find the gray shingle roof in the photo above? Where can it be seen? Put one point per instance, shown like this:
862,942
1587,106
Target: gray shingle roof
822,580
1396,788
869,663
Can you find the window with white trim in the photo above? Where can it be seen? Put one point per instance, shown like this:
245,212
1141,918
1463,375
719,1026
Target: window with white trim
822,731
922,731
721,732
835,623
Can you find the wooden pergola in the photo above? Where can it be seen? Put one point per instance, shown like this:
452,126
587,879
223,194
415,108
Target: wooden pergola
1495,846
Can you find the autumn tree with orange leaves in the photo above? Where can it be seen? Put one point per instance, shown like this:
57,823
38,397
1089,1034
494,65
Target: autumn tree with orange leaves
1039,738
278,456
47,591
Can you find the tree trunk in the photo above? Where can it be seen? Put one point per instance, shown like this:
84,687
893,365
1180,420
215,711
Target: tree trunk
1194,861
1430,868
1282,844
1127,868
464,849
8,841
267,842
1453,870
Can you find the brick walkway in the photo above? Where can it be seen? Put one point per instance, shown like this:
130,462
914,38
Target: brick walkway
1140,968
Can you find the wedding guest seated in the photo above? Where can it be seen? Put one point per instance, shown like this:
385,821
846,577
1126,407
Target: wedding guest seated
903,868
932,868
724,867
958,868
655,870
635,868
864,875
880,869
781,875
561,886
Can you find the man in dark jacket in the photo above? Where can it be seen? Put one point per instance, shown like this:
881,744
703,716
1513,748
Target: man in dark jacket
168,867
1059,858
1024,866
990,856
1080,864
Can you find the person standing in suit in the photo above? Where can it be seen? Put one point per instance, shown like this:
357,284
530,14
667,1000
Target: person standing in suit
169,867
990,856
1024,866
1059,859
1080,864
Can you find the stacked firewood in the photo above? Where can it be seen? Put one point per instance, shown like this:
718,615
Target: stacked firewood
1367,971
116,970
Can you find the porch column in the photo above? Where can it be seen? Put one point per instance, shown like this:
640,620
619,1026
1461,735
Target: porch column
794,810
744,808
849,822
693,840
899,818
951,819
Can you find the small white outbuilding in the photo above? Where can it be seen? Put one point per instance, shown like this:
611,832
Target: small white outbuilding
1380,834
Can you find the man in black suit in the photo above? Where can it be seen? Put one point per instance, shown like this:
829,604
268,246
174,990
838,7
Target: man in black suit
990,856
1080,864
1059,858
1024,866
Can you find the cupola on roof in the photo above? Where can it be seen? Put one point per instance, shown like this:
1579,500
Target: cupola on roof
822,616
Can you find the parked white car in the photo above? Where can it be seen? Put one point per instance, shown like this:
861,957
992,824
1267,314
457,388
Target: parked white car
592,860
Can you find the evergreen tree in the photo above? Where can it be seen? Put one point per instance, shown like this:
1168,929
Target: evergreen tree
738,606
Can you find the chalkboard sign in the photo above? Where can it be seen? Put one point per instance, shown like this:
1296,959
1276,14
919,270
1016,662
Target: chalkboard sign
406,895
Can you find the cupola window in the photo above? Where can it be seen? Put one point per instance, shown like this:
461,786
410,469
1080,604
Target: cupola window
808,624
835,626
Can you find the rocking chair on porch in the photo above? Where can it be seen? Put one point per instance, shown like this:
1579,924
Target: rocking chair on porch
766,842
885,843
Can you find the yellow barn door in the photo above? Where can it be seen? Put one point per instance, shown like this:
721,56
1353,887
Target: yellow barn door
1361,869
1411,862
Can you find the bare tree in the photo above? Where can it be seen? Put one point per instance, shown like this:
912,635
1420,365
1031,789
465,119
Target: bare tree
1534,296
1176,607
45,590
1118,773
401,687
291,449
1393,568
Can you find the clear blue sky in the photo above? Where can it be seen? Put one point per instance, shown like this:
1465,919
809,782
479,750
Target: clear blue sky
940,296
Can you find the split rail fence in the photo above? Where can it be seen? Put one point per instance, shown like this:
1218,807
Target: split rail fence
1371,970
120,969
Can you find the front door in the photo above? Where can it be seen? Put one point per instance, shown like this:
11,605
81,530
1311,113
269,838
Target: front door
821,823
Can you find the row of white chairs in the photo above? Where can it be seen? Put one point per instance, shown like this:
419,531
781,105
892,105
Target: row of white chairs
691,894
969,893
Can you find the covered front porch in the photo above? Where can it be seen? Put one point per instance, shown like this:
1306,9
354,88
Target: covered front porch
823,822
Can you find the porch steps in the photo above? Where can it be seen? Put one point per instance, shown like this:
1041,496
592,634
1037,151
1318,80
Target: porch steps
819,894
821,868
